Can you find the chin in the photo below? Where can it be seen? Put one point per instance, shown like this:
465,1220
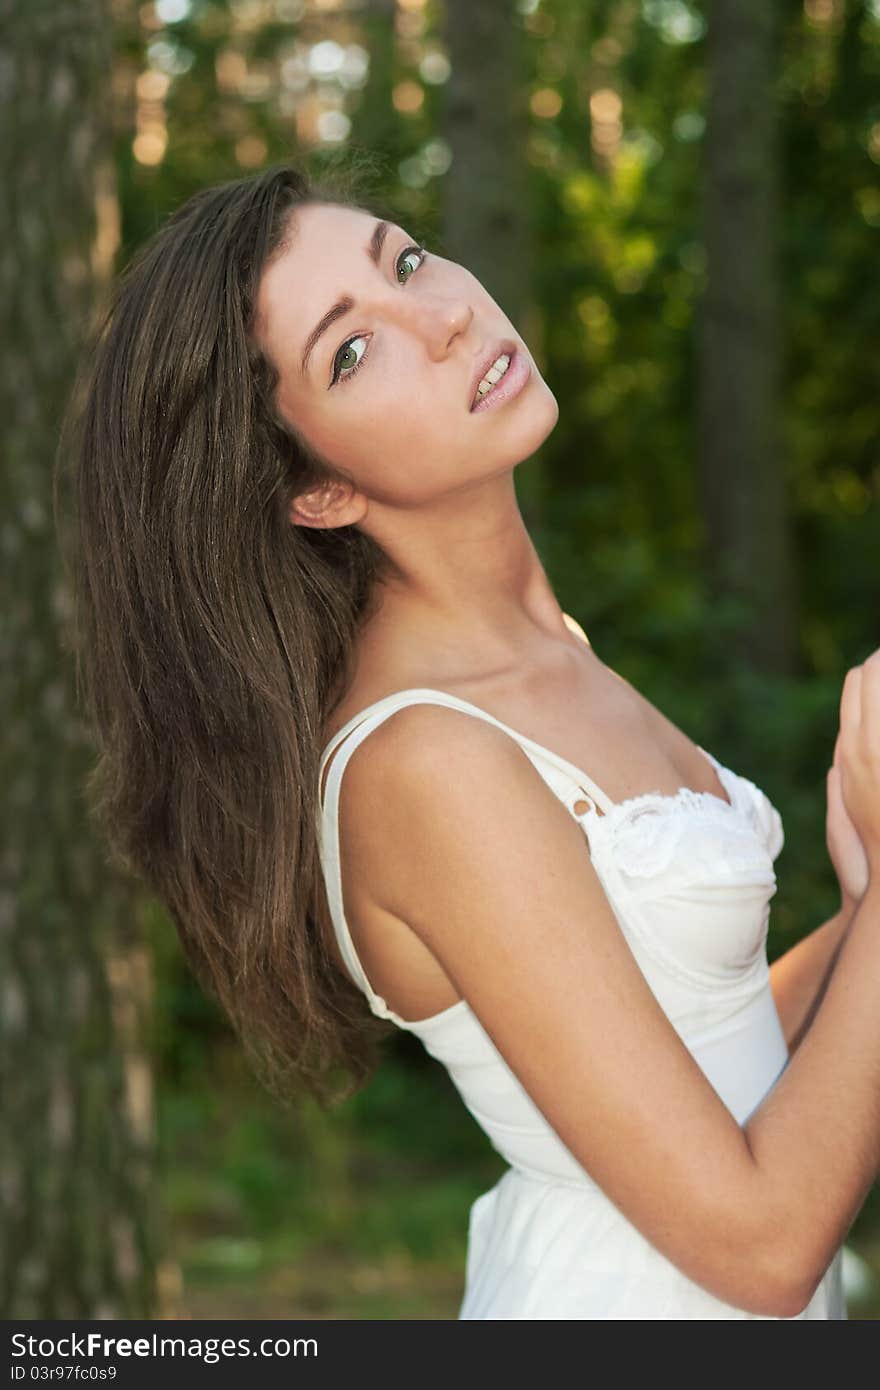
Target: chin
549,407
541,423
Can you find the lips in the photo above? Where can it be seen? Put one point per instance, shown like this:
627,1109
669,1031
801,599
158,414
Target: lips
484,362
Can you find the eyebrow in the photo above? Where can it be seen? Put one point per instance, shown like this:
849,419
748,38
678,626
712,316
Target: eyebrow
342,306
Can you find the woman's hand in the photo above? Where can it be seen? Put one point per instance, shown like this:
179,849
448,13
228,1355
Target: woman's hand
845,848
857,759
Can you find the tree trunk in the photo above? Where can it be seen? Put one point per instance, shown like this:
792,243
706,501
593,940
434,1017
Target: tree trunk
76,1153
749,547
378,125
486,205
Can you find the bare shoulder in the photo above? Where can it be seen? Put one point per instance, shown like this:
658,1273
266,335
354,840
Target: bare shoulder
424,768
425,792
423,739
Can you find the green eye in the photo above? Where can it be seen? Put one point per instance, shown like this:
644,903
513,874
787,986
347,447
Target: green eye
411,251
344,369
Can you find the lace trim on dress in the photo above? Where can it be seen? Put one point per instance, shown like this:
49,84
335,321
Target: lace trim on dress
646,830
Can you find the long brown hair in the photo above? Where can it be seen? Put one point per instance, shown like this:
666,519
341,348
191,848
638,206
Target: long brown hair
212,636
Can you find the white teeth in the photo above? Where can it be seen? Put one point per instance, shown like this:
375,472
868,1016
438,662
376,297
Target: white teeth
495,373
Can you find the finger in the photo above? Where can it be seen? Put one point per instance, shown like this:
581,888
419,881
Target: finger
851,701
870,699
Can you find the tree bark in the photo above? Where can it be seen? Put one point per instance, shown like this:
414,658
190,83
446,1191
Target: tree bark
377,121
77,1146
742,471
486,224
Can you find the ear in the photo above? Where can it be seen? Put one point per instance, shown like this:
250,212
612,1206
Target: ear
329,504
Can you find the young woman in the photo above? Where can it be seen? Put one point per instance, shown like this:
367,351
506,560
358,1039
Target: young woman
351,741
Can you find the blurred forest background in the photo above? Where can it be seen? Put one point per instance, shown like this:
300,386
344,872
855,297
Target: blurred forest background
678,204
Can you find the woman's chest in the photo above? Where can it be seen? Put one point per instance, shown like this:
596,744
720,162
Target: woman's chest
692,877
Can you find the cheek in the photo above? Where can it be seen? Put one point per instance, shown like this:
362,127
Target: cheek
391,453
385,428
397,459
402,418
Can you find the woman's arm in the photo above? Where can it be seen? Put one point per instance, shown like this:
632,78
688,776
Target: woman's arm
800,977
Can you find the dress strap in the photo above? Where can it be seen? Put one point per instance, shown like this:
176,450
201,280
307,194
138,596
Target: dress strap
373,715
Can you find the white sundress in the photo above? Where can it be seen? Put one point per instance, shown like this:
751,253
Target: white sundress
689,877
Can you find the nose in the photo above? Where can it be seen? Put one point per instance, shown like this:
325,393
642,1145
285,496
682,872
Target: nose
437,319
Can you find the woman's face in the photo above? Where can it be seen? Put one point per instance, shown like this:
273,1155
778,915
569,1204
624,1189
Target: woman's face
387,386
